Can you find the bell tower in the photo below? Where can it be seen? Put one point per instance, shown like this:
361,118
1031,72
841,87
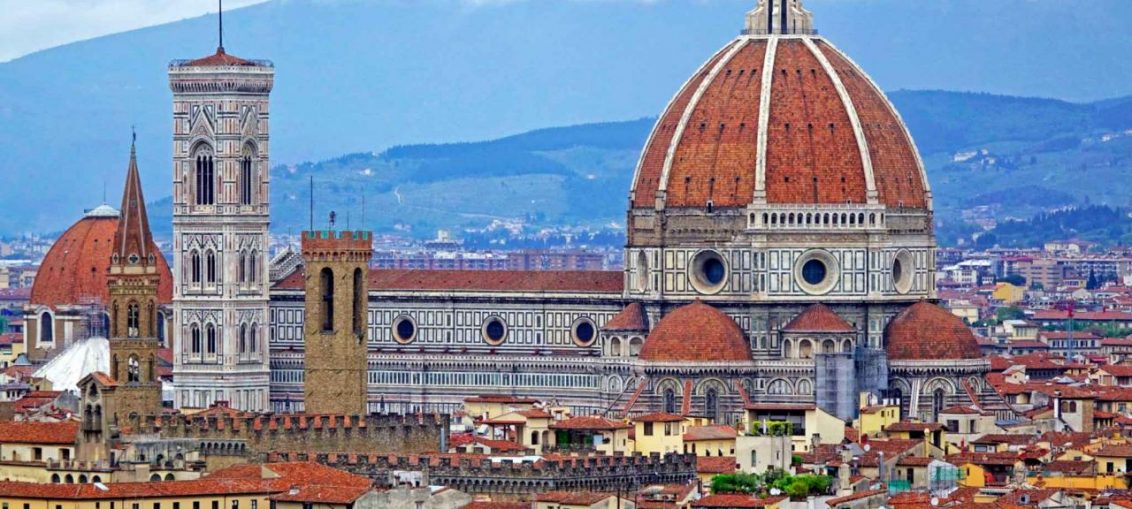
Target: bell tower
336,325
220,230
133,283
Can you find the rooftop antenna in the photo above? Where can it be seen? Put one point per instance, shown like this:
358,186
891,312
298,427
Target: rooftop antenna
220,14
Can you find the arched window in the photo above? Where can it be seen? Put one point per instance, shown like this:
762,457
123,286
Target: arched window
615,347
805,349
635,345
937,402
246,176
210,264
194,267
359,303
326,310
132,319
669,401
711,403
205,177
243,338
161,328
133,369
194,334
242,267
210,338
252,337
46,328
828,346
253,267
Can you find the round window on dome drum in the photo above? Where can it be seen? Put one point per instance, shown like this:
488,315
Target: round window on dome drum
584,332
494,331
708,272
816,272
404,329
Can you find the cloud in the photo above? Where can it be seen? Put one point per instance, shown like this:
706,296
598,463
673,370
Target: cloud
32,25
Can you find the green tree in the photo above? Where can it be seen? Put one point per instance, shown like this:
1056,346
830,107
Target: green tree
1009,313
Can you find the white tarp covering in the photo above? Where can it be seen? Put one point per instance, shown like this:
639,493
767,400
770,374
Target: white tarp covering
78,360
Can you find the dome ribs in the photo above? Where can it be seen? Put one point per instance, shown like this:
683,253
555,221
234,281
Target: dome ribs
651,165
807,160
714,160
899,179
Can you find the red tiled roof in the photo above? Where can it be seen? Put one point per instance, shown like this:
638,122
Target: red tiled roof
984,458
322,494
545,281
219,59
76,267
716,464
588,422
1114,451
696,332
659,417
709,146
818,318
724,501
632,318
924,331
53,433
585,498
498,505
1001,438
500,445
712,432
910,426
834,502
960,410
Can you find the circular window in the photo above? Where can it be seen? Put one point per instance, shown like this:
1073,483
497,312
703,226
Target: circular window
709,272
584,332
404,329
816,272
494,331
902,271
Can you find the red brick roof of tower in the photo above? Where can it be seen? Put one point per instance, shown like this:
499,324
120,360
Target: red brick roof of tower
218,59
925,331
696,332
818,318
705,145
75,270
132,237
632,318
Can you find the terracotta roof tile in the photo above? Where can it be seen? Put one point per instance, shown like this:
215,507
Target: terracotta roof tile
54,433
818,318
659,417
716,464
632,318
219,59
924,331
544,281
696,332
723,501
588,422
712,432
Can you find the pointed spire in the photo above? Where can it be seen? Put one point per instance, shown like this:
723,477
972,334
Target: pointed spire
220,16
132,240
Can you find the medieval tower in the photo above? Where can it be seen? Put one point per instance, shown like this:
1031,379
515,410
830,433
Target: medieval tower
220,236
133,282
335,365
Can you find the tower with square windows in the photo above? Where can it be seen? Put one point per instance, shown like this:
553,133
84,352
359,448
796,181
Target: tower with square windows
220,230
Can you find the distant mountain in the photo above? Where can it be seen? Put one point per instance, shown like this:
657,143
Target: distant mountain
357,76
1007,157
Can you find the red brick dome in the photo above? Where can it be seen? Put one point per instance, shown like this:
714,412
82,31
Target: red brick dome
75,268
791,119
925,331
696,332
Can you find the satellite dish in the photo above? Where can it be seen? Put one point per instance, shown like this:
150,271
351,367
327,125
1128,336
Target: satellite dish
867,447
775,492
935,501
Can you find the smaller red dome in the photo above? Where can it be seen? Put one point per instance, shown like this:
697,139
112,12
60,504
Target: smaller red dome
696,332
925,331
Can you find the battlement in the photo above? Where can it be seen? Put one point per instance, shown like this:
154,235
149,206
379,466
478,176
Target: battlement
474,473
337,241
424,433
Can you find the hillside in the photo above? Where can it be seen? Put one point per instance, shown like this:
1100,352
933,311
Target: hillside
992,156
358,76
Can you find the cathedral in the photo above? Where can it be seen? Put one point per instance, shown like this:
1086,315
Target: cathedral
779,250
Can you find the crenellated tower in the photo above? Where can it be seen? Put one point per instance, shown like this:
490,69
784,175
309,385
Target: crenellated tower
335,363
220,230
